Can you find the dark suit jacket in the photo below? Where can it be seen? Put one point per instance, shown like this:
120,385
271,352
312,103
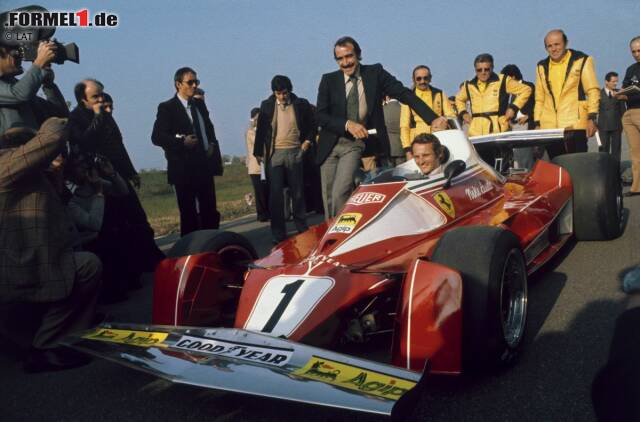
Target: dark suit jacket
610,112
185,165
331,112
99,133
264,130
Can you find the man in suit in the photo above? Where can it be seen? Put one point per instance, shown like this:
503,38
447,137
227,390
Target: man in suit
610,116
286,128
391,109
184,131
349,103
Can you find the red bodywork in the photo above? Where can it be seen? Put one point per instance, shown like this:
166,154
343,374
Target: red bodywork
312,287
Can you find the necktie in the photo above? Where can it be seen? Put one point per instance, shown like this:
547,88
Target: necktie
196,123
353,102
610,94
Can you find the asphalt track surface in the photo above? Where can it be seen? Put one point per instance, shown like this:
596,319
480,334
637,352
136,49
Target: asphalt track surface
573,303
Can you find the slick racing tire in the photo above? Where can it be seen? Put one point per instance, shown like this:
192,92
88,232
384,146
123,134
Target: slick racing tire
494,301
597,194
233,248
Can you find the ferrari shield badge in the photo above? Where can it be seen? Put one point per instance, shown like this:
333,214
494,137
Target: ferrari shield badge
445,203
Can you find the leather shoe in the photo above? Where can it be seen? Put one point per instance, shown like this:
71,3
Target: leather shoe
56,359
628,194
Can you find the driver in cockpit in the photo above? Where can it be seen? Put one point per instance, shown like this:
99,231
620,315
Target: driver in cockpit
429,156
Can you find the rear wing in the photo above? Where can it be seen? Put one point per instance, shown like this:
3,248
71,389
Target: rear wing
529,138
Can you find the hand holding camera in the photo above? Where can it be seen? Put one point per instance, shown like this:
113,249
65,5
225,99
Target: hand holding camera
46,53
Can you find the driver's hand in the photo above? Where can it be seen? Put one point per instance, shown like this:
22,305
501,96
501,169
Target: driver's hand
441,123
46,53
357,130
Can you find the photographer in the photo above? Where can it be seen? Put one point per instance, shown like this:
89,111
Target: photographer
37,262
19,105
97,189
94,131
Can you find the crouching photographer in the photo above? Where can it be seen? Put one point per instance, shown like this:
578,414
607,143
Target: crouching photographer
38,265
94,208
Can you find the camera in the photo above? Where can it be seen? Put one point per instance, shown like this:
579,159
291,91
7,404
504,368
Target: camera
25,39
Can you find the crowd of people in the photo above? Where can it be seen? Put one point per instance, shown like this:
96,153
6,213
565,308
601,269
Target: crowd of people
73,231
366,119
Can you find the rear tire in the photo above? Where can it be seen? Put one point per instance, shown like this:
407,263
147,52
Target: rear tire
597,194
494,303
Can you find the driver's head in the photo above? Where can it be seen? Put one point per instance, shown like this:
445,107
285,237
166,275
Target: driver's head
427,152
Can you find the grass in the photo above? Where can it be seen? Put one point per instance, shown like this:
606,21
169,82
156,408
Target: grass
159,200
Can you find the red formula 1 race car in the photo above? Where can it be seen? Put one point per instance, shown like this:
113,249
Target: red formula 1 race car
416,275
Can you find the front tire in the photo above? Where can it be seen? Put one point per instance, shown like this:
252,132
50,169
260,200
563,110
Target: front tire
233,248
494,304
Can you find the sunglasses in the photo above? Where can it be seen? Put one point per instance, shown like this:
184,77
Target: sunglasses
423,78
192,82
483,70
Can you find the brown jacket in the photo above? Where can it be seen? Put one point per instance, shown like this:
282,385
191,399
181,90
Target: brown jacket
36,258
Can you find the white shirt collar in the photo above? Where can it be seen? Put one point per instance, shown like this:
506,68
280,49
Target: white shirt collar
184,102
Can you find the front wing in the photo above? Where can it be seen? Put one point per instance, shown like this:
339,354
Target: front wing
252,363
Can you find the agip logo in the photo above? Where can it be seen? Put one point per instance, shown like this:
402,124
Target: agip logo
345,223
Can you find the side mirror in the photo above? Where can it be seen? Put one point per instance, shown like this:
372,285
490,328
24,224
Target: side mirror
453,169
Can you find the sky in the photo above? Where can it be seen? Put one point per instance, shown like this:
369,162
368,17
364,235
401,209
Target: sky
237,46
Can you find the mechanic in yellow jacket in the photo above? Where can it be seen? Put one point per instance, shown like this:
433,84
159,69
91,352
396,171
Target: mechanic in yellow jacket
488,94
567,90
411,124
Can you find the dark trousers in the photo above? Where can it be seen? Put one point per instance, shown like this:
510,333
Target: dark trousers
75,312
611,142
140,233
285,169
573,142
204,193
261,194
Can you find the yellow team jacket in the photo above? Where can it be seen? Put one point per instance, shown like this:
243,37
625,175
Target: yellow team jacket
411,124
579,98
488,106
